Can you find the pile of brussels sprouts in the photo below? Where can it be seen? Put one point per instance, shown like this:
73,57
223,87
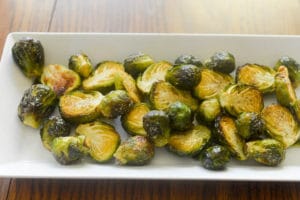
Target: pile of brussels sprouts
192,109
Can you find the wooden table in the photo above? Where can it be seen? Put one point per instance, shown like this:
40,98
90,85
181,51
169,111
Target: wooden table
171,16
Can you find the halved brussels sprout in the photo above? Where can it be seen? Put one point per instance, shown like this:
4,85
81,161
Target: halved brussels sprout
184,76
60,79
115,103
190,142
157,126
103,77
268,151
285,93
28,54
181,117
132,121
208,110
280,124
124,81
163,94
137,63
37,103
69,149
81,64
215,157
293,67
80,106
259,76
221,61
227,132
53,127
211,84
237,99
154,73
188,59
102,139
295,109
136,150
249,124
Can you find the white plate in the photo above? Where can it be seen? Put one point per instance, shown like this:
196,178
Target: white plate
21,151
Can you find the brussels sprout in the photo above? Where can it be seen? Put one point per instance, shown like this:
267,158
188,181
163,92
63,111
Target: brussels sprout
280,124
188,59
183,76
211,84
136,150
293,67
132,121
227,132
103,77
215,157
295,109
69,149
53,127
157,126
124,81
237,99
163,94
80,106
115,103
154,73
101,139
258,76
285,93
81,64
208,110
190,142
180,116
137,63
249,124
28,54
37,103
60,79
268,151
221,61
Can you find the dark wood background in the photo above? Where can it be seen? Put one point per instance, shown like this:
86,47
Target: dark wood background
169,16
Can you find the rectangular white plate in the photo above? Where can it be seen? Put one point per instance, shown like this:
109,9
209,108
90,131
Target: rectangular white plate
21,151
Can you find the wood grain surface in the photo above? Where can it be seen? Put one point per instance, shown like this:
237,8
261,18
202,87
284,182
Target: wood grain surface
189,16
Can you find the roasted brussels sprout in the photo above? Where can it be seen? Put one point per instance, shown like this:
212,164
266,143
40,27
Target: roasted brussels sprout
115,103
37,103
215,157
162,94
60,79
258,76
53,127
285,93
188,59
180,116
208,110
101,139
211,84
280,124
249,124
237,99
80,106
81,64
268,151
227,133
293,67
137,63
154,73
157,126
221,61
183,76
28,54
103,77
132,121
136,150
295,109
69,149
190,142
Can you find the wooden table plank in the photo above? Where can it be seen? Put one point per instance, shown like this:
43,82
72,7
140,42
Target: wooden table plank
4,186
